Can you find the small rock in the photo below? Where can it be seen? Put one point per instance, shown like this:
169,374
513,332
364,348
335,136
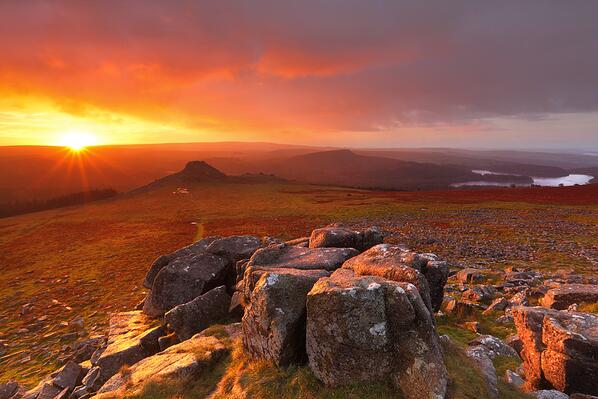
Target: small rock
9,389
69,376
497,305
549,394
469,275
473,326
514,379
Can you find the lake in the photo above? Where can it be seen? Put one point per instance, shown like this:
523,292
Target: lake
569,180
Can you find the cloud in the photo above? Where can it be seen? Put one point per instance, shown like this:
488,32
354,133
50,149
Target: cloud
331,66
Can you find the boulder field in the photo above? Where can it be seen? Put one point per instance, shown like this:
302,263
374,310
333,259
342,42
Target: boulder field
341,302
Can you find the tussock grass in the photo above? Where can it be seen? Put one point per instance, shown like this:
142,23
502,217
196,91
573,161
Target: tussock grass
250,378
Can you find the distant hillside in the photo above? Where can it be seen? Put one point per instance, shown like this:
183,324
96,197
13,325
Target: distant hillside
194,172
346,168
530,163
38,173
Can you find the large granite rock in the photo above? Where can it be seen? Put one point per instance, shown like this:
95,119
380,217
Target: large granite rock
193,249
364,328
388,261
292,257
130,339
560,349
274,320
235,248
254,273
192,317
568,294
342,237
184,279
179,362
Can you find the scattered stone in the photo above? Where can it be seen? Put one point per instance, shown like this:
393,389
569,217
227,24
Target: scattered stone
49,391
479,294
462,310
497,305
9,389
582,396
469,275
520,299
473,326
549,394
92,381
569,294
69,376
514,379
493,346
505,319
192,317
83,350
77,322
479,356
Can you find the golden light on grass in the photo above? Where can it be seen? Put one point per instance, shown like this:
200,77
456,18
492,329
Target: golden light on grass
78,140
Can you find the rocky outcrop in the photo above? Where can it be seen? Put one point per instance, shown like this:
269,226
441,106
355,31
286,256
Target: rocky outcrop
388,261
183,280
370,319
364,328
183,361
130,339
182,276
274,321
292,257
192,317
193,249
336,236
568,294
426,271
560,349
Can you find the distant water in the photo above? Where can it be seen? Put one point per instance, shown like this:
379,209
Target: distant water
570,180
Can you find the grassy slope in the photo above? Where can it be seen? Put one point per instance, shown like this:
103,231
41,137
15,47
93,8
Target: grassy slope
238,376
90,260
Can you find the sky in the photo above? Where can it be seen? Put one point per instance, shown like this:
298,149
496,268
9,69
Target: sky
419,73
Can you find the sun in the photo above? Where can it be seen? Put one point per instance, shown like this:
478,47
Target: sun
78,141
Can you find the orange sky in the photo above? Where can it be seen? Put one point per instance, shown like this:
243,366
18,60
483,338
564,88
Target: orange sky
400,73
